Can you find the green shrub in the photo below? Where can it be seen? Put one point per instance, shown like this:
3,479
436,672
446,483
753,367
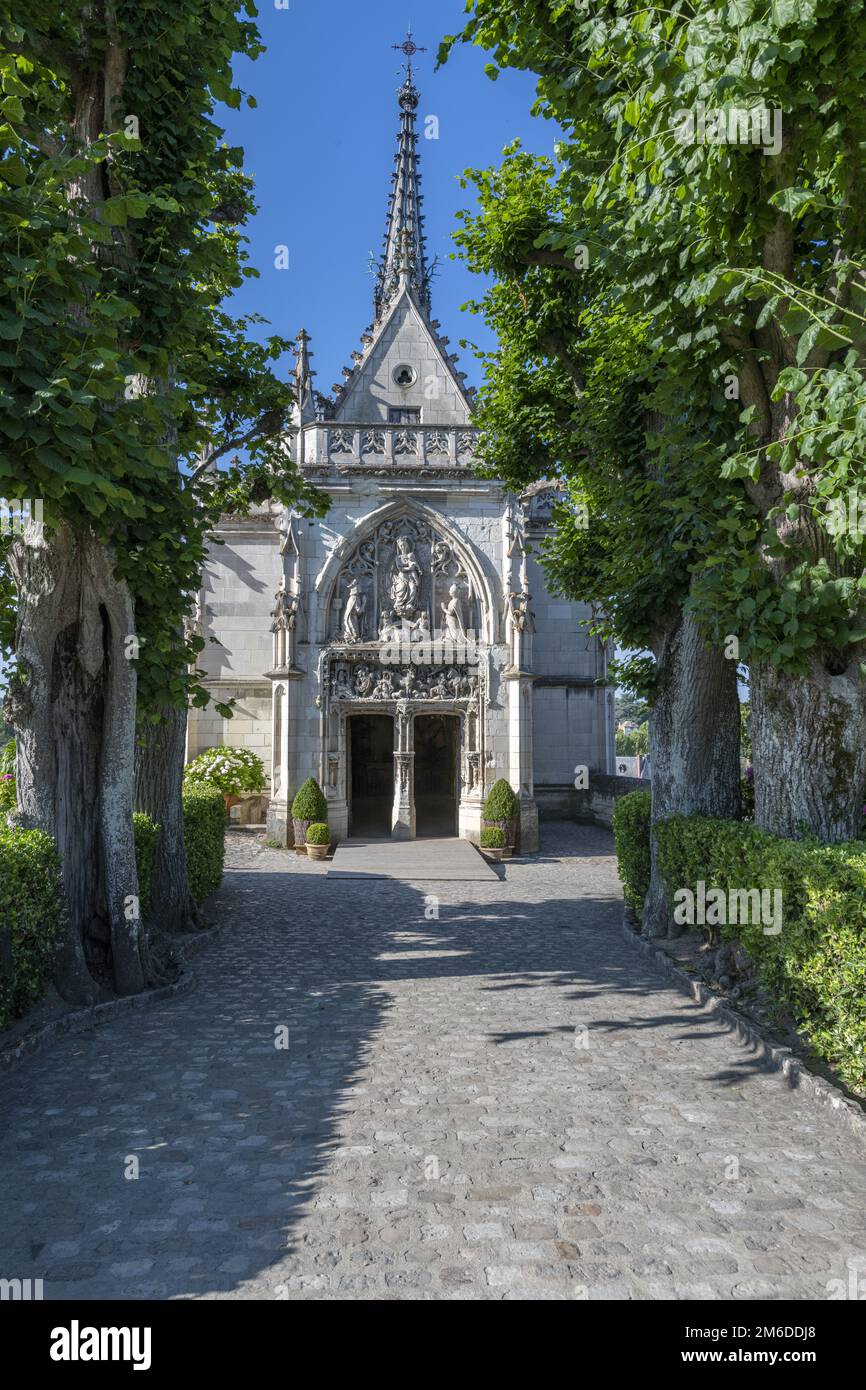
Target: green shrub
31,917
815,967
502,803
493,837
8,793
7,758
632,743
631,833
310,803
318,834
204,836
230,770
146,841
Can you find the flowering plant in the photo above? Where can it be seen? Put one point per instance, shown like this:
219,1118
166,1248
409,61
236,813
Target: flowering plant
230,770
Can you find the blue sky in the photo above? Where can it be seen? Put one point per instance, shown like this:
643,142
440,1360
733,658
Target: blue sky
320,146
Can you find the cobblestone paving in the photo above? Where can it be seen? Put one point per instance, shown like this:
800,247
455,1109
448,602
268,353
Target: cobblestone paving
507,1102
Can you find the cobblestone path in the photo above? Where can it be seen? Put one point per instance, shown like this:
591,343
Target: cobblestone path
504,1102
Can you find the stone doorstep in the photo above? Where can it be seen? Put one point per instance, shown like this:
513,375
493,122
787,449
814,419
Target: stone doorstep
793,1069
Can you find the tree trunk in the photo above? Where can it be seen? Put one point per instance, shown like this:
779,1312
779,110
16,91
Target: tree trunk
72,701
694,742
809,752
158,793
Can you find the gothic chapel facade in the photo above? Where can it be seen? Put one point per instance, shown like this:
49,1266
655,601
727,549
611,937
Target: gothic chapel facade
404,650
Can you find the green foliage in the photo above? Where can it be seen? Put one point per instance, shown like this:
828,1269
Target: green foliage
310,803
492,837
501,803
745,730
118,365
631,707
204,837
631,833
8,794
146,840
816,965
318,834
743,275
632,743
31,916
230,770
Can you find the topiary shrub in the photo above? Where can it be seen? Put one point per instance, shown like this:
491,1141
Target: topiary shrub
502,808
493,837
318,834
631,833
204,836
230,770
309,805
146,840
31,918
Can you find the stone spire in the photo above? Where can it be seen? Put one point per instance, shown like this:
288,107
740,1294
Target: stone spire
304,395
404,259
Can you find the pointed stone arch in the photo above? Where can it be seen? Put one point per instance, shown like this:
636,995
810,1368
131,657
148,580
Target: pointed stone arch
348,552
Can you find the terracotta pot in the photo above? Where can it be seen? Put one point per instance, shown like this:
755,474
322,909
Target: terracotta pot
318,851
230,801
494,854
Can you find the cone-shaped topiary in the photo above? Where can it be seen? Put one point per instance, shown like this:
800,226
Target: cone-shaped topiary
502,803
310,803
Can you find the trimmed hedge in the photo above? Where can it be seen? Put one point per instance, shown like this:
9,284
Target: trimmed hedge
310,803
318,834
816,965
204,819
146,840
631,833
31,918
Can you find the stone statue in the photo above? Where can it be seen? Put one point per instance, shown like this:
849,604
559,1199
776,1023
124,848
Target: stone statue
285,613
521,614
404,581
453,611
353,616
421,629
388,630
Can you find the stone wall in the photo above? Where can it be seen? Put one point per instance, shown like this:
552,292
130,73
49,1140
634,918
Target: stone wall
595,804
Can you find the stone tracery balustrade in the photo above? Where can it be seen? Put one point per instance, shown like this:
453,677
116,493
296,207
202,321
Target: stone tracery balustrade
331,444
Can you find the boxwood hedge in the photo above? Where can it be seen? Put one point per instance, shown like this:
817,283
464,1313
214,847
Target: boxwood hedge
204,833
31,918
631,833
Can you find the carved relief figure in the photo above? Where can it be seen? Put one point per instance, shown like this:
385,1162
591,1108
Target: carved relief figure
388,629
285,613
405,580
356,606
453,611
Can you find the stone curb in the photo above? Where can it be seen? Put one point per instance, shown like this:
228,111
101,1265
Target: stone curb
780,1059
83,1020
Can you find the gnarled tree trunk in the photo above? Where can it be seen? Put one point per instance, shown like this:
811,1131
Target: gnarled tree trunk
72,701
809,752
694,742
159,765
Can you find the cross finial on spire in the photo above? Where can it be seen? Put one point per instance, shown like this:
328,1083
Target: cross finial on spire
409,47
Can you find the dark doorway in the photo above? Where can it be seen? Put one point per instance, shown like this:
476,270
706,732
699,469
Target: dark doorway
371,754
436,774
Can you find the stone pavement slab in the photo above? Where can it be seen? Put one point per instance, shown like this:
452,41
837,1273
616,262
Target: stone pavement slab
462,1090
412,861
